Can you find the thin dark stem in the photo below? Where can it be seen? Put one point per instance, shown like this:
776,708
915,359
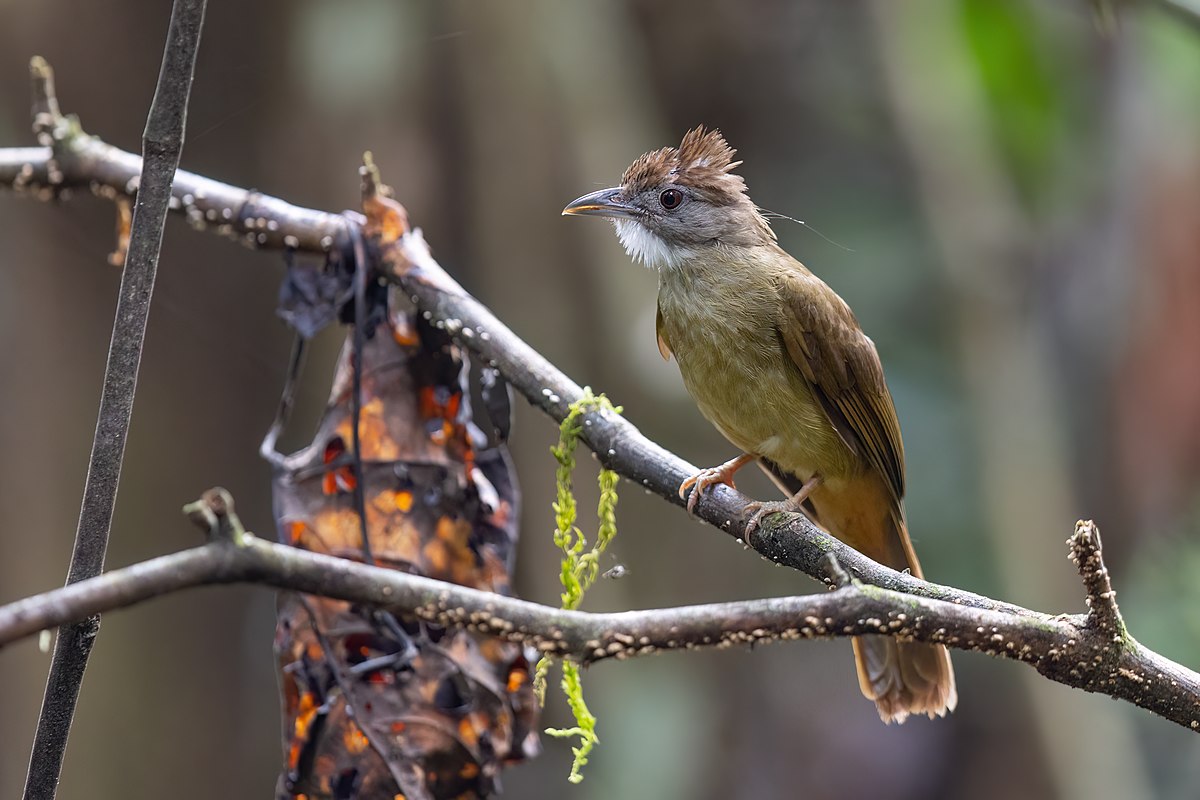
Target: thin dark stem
162,144
287,399
357,343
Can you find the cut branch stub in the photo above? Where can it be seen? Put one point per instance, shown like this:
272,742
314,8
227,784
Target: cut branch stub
1088,557
213,513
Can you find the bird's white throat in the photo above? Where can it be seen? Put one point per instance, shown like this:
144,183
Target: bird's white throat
645,246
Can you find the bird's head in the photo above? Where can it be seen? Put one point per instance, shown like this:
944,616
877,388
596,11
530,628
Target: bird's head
675,203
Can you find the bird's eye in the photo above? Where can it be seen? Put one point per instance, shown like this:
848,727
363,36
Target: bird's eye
670,199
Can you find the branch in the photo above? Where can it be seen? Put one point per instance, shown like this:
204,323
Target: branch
162,144
583,636
791,540
1091,652
71,160
1077,650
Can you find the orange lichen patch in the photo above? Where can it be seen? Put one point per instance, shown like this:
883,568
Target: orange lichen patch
494,650
338,528
387,502
398,727
387,220
400,544
381,678
296,531
334,448
459,564
304,719
439,436
355,740
301,534
453,531
377,442
449,556
291,695
467,733
404,331
492,575
326,765
436,403
397,541
437,558
517,677
432,407
427,402
502,514
341,479
380,506
373,435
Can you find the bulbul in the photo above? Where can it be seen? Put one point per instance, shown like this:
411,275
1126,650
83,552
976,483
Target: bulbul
776,360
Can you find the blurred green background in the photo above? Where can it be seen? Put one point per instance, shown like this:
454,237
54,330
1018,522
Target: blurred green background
1014,188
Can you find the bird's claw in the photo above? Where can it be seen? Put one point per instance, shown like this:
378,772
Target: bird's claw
758,509
701,481
794,504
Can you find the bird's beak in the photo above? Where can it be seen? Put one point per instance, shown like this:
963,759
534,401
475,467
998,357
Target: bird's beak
603,203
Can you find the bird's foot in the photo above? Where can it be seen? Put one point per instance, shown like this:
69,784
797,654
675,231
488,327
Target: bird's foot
709,477
758,509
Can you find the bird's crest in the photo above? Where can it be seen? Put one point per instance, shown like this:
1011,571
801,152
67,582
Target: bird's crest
703,161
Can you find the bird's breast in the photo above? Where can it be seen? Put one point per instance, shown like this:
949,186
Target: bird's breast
723,336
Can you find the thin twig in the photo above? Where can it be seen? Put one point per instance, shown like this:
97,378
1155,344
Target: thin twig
1065,648
162,144
287,399
246,216
357,343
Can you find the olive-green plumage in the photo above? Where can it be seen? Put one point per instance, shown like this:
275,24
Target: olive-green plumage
775,359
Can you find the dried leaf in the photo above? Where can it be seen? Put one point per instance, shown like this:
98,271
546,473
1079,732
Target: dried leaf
378,705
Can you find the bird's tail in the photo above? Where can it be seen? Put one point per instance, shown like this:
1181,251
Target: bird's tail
905,677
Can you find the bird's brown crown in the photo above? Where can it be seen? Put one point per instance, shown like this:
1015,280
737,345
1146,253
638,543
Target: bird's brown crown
703,161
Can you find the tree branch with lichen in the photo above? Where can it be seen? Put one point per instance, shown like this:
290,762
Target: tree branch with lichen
1089,651
1079,650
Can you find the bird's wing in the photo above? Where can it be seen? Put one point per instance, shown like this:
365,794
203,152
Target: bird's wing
664,347
821,336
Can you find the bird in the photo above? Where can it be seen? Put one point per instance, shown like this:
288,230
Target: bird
779,364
